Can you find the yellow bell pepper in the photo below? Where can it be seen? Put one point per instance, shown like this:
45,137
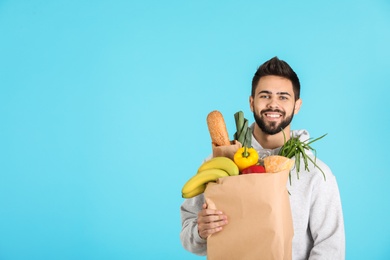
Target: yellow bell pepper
245,157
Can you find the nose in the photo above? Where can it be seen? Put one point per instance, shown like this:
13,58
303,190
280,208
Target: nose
273,103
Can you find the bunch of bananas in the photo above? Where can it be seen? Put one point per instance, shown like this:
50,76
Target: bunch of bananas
209,171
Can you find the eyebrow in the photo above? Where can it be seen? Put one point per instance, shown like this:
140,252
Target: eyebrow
277,93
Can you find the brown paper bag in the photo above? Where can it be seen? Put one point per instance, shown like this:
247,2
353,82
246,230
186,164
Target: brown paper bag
259,214
226,150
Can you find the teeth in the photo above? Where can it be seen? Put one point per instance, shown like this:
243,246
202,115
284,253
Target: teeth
273,115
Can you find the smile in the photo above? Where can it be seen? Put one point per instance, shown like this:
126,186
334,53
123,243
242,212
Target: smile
272,115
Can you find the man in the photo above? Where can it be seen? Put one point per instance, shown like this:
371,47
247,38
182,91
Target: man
315,199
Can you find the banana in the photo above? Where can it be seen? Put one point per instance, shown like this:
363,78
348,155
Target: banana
203,178
194,192
210,170
222,163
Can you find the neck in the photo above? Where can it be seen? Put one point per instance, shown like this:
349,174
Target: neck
271,141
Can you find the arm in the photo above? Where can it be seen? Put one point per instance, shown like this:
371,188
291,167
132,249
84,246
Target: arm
198,223
189,235
326,220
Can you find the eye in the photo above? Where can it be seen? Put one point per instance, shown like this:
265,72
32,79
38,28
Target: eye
264,96
283,97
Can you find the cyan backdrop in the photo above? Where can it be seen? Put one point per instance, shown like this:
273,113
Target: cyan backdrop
103,110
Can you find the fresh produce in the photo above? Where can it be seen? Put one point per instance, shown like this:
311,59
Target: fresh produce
222,163
243,133
195,192
294,147
209,171
277,163
217,128
245,157
201,179
254,169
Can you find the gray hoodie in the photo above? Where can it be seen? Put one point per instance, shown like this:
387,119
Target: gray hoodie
315,206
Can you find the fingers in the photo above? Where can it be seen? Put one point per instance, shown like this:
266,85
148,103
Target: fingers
210,221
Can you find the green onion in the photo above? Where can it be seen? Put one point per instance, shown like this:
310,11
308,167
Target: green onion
243,132
297,148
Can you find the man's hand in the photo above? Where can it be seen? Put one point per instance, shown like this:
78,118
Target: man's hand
210,221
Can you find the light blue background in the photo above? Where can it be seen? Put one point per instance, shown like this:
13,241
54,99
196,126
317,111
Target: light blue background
103,110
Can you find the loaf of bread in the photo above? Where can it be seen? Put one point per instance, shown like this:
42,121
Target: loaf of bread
217,128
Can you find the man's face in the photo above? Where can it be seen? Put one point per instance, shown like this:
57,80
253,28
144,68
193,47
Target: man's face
274,105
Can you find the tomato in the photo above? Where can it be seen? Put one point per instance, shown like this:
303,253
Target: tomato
253,169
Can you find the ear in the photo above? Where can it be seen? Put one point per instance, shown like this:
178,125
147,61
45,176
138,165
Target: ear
298,105
251,103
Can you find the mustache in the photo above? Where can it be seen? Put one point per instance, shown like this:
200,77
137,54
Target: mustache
272,110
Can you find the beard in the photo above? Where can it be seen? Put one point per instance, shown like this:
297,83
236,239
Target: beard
272,128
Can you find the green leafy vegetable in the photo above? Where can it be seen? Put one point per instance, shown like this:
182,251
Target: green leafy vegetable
243,131
294,147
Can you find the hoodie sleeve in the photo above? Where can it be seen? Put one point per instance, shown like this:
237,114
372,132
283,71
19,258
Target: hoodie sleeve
189,235
326,219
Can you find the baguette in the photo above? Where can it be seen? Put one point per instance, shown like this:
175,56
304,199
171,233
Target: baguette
217,129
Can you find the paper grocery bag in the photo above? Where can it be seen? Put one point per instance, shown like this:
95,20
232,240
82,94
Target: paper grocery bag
259,214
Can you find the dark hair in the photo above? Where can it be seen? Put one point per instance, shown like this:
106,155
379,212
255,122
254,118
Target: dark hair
276,67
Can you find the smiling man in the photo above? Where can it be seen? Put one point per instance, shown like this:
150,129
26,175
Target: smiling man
315,202
274,104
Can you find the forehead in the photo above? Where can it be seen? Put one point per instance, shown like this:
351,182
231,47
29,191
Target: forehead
274,84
